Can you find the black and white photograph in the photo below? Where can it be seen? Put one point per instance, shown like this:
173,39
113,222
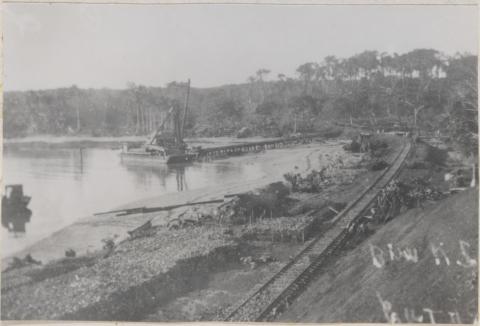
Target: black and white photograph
238,162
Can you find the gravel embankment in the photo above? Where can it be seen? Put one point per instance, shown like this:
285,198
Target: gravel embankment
132,264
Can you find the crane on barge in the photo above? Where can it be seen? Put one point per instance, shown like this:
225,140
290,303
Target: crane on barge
164,145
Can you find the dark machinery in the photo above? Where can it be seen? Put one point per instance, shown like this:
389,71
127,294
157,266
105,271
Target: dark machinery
167,145
15,213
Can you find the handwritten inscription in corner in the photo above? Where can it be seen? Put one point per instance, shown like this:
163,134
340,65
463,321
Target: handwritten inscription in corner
411,315
440,257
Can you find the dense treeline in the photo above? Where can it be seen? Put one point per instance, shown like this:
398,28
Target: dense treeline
422,88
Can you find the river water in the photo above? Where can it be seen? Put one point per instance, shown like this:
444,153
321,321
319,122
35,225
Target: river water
67,184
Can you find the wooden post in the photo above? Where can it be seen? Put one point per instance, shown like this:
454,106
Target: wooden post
185,110
81,160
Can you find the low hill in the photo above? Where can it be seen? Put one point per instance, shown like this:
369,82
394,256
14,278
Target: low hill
420,267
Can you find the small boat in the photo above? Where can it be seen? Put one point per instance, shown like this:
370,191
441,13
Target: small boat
164,146
15,213
13,199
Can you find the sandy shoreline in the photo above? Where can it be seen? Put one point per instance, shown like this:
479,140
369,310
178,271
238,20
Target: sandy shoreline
86,234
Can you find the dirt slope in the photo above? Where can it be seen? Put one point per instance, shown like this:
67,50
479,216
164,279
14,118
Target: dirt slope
373,284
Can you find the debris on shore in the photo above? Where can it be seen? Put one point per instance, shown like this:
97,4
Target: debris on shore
316,180
22,262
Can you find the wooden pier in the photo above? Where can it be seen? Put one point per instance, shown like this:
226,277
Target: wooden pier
221,151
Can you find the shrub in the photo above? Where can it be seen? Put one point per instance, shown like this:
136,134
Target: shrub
354,147
378,165
331,132
417,165
436,155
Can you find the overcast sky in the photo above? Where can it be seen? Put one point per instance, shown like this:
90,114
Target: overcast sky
58,45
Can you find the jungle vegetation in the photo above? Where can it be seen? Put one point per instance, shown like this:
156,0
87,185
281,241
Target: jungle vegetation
419,89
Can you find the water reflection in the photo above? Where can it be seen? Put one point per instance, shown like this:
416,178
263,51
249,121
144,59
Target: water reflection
48,163
16,224
143,172
180,177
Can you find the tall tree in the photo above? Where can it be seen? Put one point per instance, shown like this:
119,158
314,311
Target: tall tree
306,73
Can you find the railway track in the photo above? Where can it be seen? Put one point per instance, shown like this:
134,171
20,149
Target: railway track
278,292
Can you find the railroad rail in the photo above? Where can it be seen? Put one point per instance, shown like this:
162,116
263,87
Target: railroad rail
275,295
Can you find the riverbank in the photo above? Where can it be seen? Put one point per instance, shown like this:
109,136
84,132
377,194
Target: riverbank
152,270
67,182
87,233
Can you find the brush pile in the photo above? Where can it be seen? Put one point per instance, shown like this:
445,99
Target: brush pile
377,165
364,143
353,147
388,202
268,202
19,262
397,194
418,190
333,172
378,147
195,216
254,261
143,230
282,229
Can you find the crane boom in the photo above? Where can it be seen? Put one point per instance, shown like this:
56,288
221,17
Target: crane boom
185,111
178,125
161,127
